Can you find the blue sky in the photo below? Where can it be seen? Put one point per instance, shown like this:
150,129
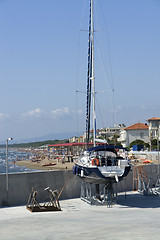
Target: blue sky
43,61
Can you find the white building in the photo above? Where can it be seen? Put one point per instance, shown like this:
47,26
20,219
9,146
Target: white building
73,139
154,129
134,132
110,131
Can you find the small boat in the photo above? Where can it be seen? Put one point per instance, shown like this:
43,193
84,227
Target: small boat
48,164
100,164
147,162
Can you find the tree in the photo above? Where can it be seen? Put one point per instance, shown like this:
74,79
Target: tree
154,144
113,140
138,142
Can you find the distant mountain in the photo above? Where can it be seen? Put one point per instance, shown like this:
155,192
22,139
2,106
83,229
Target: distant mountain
52,136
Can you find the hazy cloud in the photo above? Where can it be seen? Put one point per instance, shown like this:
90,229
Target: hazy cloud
33,113
3,116
143,107
60,112
65,111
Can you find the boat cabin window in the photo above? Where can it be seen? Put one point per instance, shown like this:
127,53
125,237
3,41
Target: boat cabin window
105,158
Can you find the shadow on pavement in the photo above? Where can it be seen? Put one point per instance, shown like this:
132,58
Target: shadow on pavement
139,201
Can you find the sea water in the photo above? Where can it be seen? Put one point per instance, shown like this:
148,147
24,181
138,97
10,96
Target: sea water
13,156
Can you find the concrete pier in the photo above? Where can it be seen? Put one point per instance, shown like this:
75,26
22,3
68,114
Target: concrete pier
133,217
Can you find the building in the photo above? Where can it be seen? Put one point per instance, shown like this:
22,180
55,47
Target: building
154,129
73,139
69,149
136,131
110,131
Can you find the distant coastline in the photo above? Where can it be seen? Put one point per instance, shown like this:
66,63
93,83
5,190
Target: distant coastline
33,144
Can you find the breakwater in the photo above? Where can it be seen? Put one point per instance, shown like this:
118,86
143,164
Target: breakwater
20,185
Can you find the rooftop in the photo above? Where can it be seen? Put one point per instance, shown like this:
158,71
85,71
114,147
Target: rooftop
69,144
137,126
153,119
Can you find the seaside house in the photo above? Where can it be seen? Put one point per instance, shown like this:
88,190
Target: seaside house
154,129
73,139
81,139
110,131
134,132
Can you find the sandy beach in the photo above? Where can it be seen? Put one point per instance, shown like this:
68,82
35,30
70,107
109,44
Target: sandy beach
46,164
54,164
43,161
59,164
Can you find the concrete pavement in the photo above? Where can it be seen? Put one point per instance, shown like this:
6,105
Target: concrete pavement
133,217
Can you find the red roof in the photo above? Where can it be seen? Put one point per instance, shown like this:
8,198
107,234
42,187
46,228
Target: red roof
154,119
137,126
69,144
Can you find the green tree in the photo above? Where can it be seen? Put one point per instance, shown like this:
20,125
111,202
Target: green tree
138,142
154,144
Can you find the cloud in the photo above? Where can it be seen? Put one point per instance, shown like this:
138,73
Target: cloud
56,113
3,116
60,112
142,107
65,111
33,113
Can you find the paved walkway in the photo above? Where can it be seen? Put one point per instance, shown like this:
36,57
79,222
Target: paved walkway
134,217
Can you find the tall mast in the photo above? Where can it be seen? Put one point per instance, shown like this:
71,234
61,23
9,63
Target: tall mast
88,103
93,78
90,79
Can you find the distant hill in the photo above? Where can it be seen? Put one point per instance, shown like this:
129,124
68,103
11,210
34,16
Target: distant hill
34,144
52,137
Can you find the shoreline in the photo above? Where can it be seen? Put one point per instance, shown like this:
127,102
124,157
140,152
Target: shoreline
42,160
45,165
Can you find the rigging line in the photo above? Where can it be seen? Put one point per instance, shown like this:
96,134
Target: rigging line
103,124
77,80
113,106
78,59
82,17
109,52
77,91
79,39
112,90
77,113
106,74
110,64
109,77
102,63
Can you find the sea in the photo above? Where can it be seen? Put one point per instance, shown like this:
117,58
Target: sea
13,156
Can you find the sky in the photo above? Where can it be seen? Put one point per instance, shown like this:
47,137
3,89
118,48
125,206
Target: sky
43,62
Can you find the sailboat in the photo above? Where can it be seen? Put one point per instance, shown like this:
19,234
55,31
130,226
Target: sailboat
101,164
